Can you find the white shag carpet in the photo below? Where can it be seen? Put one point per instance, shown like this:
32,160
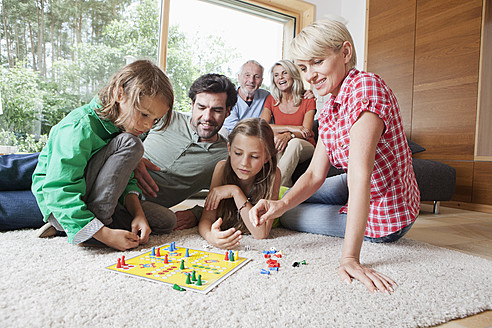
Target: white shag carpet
48,283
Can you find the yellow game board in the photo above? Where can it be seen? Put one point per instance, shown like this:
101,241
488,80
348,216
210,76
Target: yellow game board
207,268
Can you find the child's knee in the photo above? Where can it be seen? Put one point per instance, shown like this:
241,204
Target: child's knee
129,142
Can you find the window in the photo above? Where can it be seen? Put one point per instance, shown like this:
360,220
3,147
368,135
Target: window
54,58
219,36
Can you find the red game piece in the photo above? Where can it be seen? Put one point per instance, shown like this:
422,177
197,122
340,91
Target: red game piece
123,260
226,258
166,261
119,264
267,256
158,252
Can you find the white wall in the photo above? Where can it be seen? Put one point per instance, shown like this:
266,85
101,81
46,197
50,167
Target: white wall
353,14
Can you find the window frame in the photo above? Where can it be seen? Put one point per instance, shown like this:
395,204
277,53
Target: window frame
302,11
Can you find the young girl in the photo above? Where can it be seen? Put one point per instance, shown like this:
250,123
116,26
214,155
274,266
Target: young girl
83,181
250,173
360,131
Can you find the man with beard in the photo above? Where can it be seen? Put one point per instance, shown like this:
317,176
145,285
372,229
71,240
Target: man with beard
250,98
179,161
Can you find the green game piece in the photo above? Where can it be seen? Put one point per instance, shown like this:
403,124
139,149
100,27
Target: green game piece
182,267
188,280
303,262
199,282
193,276
177,287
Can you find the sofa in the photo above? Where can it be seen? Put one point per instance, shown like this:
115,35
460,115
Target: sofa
436,180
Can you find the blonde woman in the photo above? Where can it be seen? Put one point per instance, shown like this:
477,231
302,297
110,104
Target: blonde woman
293,118
377,199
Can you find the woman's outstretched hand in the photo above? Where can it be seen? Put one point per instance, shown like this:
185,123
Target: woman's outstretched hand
266,210
373,280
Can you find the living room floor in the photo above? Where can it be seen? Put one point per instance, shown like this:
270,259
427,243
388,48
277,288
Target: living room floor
456,229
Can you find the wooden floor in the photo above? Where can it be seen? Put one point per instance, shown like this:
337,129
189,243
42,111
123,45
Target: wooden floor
464,231
460,230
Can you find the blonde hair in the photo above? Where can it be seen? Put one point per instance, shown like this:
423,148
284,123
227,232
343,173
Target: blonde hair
297,85
263,186
138,79
314,40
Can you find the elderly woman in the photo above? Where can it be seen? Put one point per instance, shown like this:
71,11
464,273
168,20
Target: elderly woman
293,118
377,199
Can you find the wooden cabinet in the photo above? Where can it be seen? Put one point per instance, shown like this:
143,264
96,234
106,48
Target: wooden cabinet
434,56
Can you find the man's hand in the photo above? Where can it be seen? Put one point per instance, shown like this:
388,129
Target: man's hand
309,94
185,220
144,180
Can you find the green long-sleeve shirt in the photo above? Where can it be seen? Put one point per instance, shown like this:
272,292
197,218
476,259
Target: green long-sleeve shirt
58,181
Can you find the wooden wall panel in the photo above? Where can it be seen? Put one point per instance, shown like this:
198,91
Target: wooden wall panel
464,180
390,51
447,50
482,183
484,123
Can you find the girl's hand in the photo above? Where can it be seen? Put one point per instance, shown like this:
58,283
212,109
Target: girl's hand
223,239
140,224
218,193
373,280
266,210
281,141
117,239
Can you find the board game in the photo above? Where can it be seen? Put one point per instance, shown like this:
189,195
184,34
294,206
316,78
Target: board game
180,267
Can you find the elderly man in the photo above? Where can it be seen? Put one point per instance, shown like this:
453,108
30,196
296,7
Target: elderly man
250,98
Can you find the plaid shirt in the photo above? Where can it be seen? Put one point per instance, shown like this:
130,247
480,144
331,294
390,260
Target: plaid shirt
395,197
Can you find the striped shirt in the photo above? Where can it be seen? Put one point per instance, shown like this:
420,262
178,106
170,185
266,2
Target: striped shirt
395,197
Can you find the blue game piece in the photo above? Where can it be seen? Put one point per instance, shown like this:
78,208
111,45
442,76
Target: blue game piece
263,271
273,269
153,252
187,254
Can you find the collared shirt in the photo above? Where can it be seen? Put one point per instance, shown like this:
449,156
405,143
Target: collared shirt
395,197
58,180
242,110
186,164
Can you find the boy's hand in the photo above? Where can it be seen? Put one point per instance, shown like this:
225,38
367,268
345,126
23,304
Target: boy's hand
140,224
224,239
117,239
